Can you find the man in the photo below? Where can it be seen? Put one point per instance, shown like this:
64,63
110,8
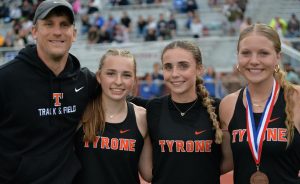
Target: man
43,94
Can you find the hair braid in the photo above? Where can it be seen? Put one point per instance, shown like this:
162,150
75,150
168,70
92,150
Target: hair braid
289,90
208,103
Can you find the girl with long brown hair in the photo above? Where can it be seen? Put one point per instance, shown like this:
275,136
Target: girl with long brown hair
113,144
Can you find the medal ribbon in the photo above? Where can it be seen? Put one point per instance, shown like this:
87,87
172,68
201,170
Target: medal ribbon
256,135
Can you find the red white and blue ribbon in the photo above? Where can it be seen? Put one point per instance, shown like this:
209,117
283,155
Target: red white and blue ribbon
256,135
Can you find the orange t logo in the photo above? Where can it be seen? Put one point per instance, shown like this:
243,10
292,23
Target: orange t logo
57,97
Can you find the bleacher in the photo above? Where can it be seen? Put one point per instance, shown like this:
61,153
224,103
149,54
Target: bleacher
264,10
218,51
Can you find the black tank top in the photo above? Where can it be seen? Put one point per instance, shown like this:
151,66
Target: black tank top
184,148
279,162
113,158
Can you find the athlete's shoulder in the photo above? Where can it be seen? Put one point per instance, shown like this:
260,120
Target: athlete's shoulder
296,110
230,99
157,101
140,114
138,109
227,106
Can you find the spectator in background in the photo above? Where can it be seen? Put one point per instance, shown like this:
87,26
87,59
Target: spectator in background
190,17
180,6
93,35
233,13
151,24
9,39
141,26
191,5
26,24
156,74
293,29
196,27
126,21
104,36
15,12
242,4
213,84
147,88
23,40
111,23
85,24
1,40
27,9
291,74
151,35
279,24
209,80
246,22
233,81
76,6
162,28
16,26
172,25
98,21
4,12
158,78
120,34
92,8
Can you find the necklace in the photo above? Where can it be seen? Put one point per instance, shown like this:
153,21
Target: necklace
257,105
183,113
115,114
260,103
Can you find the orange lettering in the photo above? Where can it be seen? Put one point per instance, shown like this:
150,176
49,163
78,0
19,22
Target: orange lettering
271,134
124,144
162,143
282,135
105,143
95,142
132,144
170,145
234,133
86,144
208,145
179,146
189,146
114,143
57,97
199,146
241,135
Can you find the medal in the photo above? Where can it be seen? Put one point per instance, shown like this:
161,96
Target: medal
259,177
256,135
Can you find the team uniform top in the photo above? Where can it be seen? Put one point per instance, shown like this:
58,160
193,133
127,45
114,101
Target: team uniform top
113,157
184,148
279,162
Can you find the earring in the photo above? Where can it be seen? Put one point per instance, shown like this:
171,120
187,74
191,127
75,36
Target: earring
276,69
238,67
